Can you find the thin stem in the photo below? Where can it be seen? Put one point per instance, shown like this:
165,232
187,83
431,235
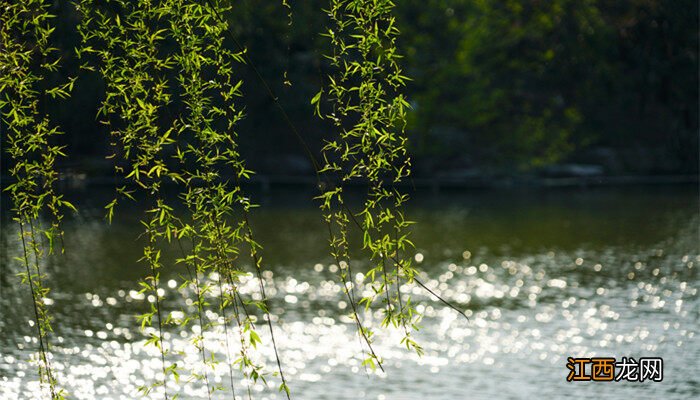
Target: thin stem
398,286
40,330
258,269
223,314
197,291
445,302
154,280
236,295
353,305
386,286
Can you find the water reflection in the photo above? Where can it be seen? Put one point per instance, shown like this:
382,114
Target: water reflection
535,287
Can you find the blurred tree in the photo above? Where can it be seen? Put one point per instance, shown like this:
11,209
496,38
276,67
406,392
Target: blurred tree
511,77
525,83
654,100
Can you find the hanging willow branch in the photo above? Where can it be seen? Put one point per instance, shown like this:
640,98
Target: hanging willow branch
212,197
369,111
26,58
171,107
127,38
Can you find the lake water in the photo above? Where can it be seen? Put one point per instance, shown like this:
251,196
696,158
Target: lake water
542,275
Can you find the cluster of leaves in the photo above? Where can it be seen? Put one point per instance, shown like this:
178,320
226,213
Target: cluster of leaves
369,112
25,33
170,105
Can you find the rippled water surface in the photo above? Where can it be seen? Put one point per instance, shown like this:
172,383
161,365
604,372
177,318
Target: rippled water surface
541,275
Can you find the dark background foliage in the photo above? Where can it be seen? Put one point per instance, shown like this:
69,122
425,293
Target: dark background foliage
507,87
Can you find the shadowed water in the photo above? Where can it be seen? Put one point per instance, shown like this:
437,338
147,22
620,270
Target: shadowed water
541,275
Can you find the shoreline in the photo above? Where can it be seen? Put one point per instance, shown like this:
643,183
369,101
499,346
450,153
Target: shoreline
267,182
